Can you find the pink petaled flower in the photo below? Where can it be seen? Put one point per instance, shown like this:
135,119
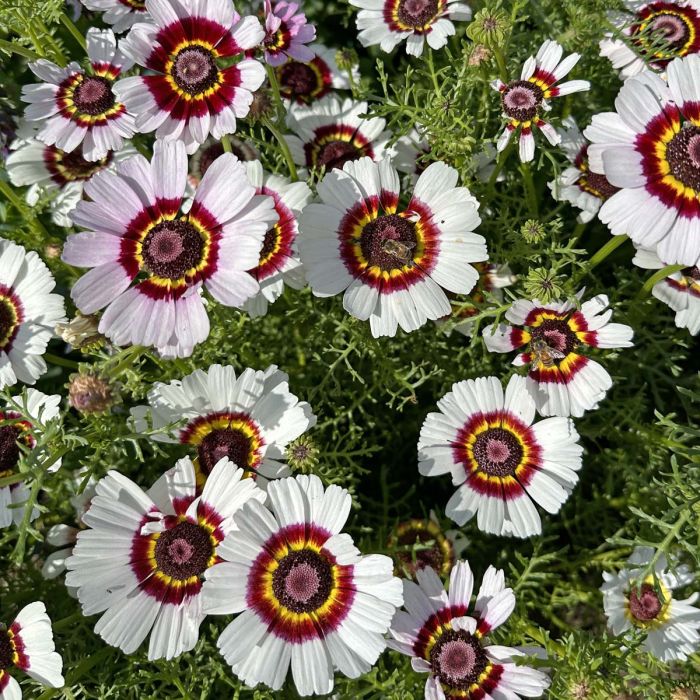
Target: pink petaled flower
75,107
192,88
150,261
287,33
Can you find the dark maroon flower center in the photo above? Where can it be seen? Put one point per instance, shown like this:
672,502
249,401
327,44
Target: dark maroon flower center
597,185
521,100
7,651
209,155
298,79
9,448
555,334
93,96
69,167
644,603
417,13
8,321
692,273
171,248
184,551
224,442
683,156
426,549
498,452
194,70
272,237
665,34
303,581
457,659
388,242
335,154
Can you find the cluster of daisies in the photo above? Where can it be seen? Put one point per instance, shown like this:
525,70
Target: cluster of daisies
229,530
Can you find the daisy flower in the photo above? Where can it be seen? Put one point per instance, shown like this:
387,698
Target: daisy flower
28,314
286,33
493,278
389,22
330,133
578,185
680,291
410,153
192,88
304,82
49,169
149,261
121,14
211,149
142,560
658,31
500,459
279,262
305,594
391,264
21,431
445,641
633,600
650,149
27,644
74,107
250,418
562,380
524,100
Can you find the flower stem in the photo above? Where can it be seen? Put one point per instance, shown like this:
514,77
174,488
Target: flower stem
530,189
501,61
19,50
658,276
226,143
613,244
274,127
18,553
23,209
60,361
433,74
70,26
284,147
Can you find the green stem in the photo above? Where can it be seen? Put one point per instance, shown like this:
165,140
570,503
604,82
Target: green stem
226,143
501,61
433,74
658,276
500,162
21,207
612,245
530,189
578,232
70,26
18,553
276,94
284,147
19,50
11,479
60,361
128,357
274,127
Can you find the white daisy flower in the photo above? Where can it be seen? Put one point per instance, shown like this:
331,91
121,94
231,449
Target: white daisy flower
672,626
142,561
211,149
27,644
330,133
306,596
387,23
562,380
250,418
500,459
680,291
444,640
656,32
391,264
650,149
279,262
28,314
524,100
22,431
121,14
49,169
409,153
75,107
578,185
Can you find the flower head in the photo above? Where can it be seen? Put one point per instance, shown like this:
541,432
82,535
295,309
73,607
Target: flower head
75,107
28,314
330,133
250,418
649,148
211,149
632,600
524,100
90,393
563,381
192,87
142,560
286,33
149,260
27,644
306,596
392,263
279,262
444,640
656,32
389,22
500,459
18,436
419,543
